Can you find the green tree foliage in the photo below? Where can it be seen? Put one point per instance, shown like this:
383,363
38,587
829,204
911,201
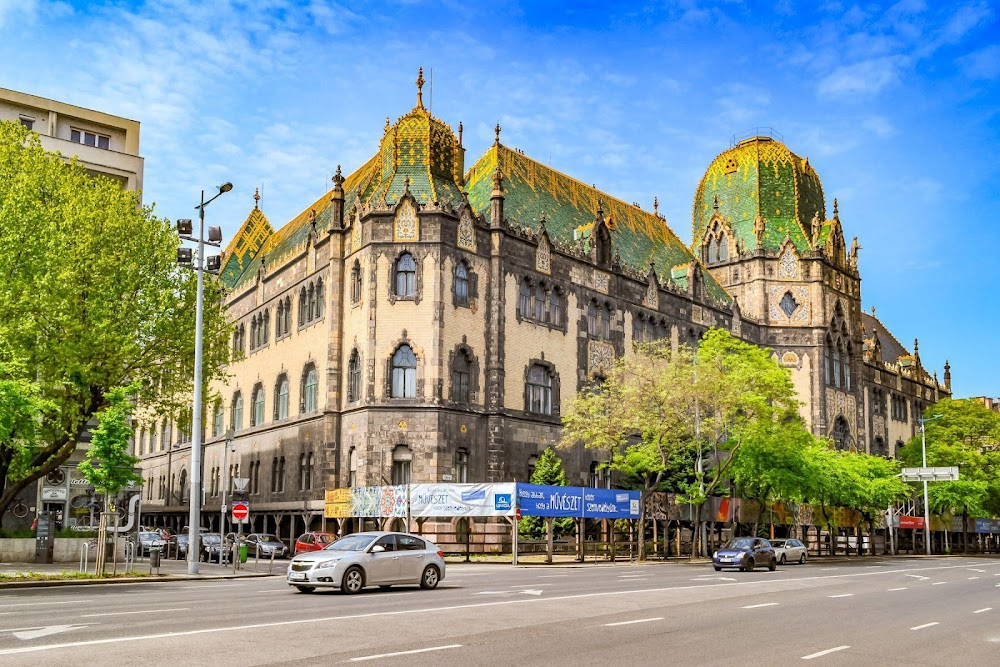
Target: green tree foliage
108,466
90,299
22,410
548,472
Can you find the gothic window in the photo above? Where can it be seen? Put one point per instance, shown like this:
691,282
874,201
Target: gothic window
592,318
555,308
539,304
461,284
279,320
788,304
352,467
841,434
406,273
723,248
847,367
606,322
236,418
281,397
713,251
356,282
524,299
461,369
303,305
836,365
404,373
401,458
303,472
310,389
354,377
287,327
639,327
320,300
267,325
462,466
253,333
539,390
257,416
311,303
828,361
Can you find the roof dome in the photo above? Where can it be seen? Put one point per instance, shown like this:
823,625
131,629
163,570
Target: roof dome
760,176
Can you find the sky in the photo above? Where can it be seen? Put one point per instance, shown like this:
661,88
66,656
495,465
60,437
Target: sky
897,107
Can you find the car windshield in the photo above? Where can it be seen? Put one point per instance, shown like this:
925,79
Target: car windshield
323,538
358,542
739,543
778,543
182,538
268,538
148,536
211,538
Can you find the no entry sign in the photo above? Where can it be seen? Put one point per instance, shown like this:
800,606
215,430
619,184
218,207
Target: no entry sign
241,511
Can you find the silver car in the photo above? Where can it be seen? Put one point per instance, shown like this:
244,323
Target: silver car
368,559
790,551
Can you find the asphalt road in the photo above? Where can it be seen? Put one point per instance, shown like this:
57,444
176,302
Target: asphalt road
935,611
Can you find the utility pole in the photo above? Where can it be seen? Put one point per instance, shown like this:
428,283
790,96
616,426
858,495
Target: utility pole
927,507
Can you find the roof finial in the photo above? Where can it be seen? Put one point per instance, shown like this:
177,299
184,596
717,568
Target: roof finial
656,206
916,346
459,133
497,180
256,198
420,88
338,178
873,311
715,202
836,213
387,126
406,184
600,207
497,131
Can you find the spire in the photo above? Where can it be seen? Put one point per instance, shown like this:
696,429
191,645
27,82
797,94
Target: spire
836,213
256,199
497,131
420,88
387,125
338,180
337,201
947,375
656,207
459,133
873,311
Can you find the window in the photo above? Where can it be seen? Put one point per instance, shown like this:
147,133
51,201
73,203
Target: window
461,284
462,466
27,122
303,305
356,282
406,274
404,373
847,367
606,322
184,478
410,543
594,476
713,251
279,320
217,420
723,248
303,472
236,418
310,389
354,377
827,362
592,318
352,467
89,138
287,323
152,439
460,373
841,434
320,300
401,458
555,308
266,326
539,304
281,398
539,390
255,477
836,366
257,417
524,299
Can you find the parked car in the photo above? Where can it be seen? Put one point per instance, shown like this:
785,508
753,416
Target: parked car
745,553
149,540
368,559
210,545
313,541
790,551
269,545
178,545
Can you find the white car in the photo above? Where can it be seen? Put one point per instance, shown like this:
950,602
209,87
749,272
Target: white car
368,559
790,551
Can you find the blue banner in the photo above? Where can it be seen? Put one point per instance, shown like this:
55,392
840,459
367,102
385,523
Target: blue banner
610,504
558,501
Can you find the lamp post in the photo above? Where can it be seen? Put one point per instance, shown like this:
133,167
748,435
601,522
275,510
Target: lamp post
927,507
225,486
214,239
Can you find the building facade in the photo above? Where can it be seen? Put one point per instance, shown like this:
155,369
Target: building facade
427,322
103,144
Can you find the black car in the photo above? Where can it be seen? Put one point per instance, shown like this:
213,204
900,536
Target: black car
268,544
745,553
150,540
210,545
178,545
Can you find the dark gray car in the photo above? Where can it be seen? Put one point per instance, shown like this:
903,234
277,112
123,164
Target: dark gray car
268,544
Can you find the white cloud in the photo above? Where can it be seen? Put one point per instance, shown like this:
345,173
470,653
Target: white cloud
982,64
880,126
864,78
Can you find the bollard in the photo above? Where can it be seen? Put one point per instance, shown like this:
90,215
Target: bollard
154,559
271,566
84,556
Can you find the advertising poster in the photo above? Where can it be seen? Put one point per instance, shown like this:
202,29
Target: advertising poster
448,500
378,501
610,504
557,501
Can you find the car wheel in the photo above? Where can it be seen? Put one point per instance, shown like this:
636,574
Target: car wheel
773,565
750,565
306,589
782,561
717,568
354,581
429,579
802,559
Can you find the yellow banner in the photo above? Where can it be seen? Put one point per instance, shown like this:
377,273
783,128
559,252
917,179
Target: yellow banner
338,496
338,510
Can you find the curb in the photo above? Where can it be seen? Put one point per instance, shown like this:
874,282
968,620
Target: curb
156,579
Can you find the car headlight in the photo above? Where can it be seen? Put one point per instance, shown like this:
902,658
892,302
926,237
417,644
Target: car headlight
715,555
330,562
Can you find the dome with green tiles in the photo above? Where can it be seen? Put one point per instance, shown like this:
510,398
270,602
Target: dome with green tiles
760,176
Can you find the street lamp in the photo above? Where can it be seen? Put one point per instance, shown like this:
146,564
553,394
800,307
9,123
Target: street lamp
213,264
229,447
927,507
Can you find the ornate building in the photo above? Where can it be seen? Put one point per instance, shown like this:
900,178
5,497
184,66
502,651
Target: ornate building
427,322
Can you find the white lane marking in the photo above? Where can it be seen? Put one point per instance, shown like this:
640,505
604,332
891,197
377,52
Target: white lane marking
128,613
822,653
901,588
762,604
709,577
842,595
26,634
418,650
400,612
979,611
939,583
208,586
975,570
917,576
528,585
551,576
925,625
824,569
640,620
35,604
971,578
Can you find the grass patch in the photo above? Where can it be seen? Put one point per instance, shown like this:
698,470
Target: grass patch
57,576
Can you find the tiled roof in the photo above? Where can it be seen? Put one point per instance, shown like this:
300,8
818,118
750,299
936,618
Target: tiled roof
533,191
892,349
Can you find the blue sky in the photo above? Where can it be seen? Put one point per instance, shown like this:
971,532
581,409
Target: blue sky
896,105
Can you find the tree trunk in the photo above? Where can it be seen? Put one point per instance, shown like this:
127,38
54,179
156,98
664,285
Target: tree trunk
696,546
965,532
642,524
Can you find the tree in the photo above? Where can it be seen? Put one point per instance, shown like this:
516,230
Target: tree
91,298
966,435
21,412
548,472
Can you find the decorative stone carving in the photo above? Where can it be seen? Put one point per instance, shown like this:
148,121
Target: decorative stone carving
652,298
543,255
788,265
878,427
602,281
356,231
406,226
779,305
466,231
600,357
790,360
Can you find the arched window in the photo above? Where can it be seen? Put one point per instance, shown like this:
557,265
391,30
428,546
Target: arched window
401,458
352,467
311,299
713,251
279,320
218,420
555,307
406,274
539,390
841,434
243,337
606,322
461,369
281,397
354,377
267,325
847,367
152,438
184,478
356,282
723,248
303,306
462,465
404,373
287,327
257,417
253,333
592,318
320,299
836,365
524,299
310,388
236,418
461,284
828,361
539,303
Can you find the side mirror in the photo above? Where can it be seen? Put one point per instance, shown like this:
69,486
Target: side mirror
377,549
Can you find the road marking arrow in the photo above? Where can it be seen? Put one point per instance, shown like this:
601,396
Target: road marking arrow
709,577
35,633
532,592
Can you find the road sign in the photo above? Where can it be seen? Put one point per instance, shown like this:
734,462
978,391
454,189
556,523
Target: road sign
946,474
241,512
911,521
517,514
241,483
